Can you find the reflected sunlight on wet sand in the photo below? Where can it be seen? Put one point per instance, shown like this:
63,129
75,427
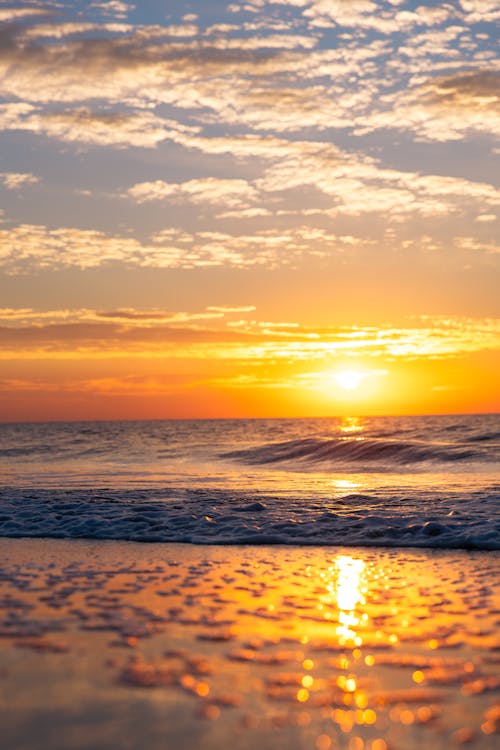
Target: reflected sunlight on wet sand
110,644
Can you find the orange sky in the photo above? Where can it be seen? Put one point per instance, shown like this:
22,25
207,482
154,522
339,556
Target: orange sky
158,371
217,212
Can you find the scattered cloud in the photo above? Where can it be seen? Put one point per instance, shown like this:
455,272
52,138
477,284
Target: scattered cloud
8,15
232,309
26,248
480,11
362,14
18,180
72,28
116,8
445,108
27,316
486,217
207,333
277,82
231,193
82,125
354,184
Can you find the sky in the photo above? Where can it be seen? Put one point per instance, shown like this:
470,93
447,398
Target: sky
236,209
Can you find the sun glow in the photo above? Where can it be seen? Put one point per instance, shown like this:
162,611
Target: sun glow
349,379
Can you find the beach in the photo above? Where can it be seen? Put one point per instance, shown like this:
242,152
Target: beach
108,644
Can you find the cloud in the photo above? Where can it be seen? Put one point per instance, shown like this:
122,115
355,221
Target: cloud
72,28
27,316
117,339
18,180
133,68
384,17
231,308
359,185
367,15
259,99
445,108
26,247
466,89
116,8
473,245
354,184
480,11
130,332
82,125
231,193
153,317
355,13
284,82
29,246
7,15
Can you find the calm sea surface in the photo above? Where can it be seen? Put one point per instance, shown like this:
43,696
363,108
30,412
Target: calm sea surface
391,481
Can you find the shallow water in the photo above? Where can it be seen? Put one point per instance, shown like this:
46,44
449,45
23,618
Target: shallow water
393,481
119,645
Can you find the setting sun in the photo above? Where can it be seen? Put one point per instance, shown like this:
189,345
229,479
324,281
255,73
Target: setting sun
349,379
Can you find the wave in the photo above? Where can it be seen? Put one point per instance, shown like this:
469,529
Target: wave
485,437
338,450
454,521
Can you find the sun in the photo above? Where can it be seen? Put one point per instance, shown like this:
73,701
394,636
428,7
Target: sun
349,379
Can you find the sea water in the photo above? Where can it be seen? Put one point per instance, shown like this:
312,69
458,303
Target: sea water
374,481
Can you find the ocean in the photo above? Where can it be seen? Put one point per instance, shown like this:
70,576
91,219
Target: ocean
360,481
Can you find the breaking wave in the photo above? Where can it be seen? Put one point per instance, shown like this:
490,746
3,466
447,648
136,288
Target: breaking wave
341,450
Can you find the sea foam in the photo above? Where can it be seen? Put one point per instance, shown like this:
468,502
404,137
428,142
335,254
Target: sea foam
219,517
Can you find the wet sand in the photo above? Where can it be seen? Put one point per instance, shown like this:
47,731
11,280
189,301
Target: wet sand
117,645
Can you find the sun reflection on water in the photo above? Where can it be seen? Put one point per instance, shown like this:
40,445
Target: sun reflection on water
345,484
349,591
351,424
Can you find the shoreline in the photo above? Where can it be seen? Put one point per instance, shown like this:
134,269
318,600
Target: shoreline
266,541
261,540
107,644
